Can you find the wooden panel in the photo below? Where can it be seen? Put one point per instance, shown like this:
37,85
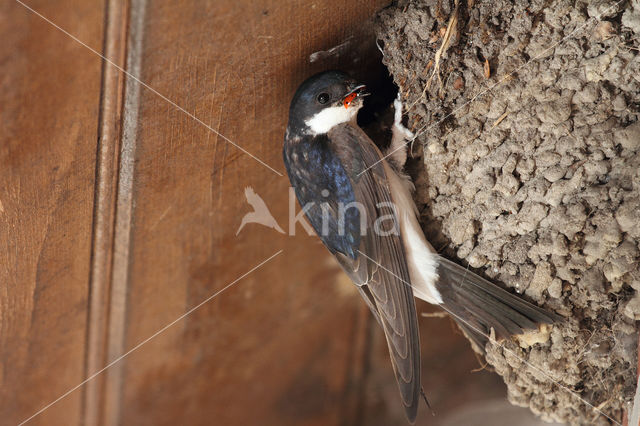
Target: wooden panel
452,376
49,100
102,303
284,345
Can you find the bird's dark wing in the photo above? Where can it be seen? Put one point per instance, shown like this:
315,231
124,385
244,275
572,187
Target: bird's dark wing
382,258
340,163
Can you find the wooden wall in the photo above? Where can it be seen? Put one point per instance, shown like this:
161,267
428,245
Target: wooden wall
49,115
120,199
119,209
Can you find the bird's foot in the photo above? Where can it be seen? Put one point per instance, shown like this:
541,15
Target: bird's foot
400,136
397,119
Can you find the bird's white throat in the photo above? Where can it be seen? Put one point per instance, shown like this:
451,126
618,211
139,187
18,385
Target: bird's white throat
324,120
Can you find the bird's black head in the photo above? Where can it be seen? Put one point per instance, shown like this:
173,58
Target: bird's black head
324,100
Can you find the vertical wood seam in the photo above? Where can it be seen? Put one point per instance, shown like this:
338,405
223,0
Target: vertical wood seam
124,216
106,178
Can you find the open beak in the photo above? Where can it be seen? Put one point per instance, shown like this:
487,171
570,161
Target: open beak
356,92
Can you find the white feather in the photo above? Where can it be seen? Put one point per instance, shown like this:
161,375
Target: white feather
400,138
421,257
324,120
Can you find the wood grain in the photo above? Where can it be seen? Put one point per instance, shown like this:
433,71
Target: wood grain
118,213
49,100
277,348
101,302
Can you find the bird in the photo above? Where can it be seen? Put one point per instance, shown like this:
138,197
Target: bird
359,202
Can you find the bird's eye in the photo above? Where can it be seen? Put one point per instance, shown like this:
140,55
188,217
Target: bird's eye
323,98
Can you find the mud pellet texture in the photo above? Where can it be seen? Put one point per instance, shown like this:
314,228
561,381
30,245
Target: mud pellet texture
528,127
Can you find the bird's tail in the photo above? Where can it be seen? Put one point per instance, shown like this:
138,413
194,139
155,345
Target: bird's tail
478,306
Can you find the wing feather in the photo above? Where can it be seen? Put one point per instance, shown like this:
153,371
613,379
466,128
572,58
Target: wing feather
346,163
387,276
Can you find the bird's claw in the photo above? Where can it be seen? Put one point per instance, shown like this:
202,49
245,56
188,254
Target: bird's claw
397,119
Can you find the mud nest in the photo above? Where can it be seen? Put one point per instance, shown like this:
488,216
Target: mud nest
528,121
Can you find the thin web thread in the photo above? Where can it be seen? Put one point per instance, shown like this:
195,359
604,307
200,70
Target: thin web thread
427,127
154,91
503,347
154,335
